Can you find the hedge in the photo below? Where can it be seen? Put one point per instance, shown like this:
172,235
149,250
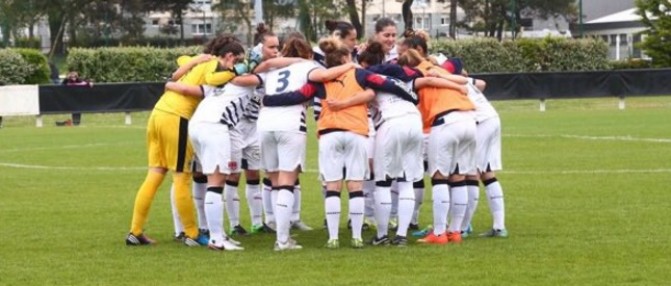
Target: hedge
14,69
487,55
39,66
126,64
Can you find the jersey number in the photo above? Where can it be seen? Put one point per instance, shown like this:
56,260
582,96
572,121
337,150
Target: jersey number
283,81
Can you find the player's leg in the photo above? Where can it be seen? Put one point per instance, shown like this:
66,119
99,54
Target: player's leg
356,165
331,164
464,164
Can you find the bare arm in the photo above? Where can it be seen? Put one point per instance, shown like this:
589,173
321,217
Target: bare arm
183,69
186,89
357,99
480,84
441,83
269,64
324,75
246,80
451,77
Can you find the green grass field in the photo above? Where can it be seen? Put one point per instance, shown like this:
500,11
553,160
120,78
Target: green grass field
586,188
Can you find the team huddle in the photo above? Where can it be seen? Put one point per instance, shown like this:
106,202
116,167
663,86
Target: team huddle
387,113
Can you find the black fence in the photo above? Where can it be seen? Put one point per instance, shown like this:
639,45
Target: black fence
126,97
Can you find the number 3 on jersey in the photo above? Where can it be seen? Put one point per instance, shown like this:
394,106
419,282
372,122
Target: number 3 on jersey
283,81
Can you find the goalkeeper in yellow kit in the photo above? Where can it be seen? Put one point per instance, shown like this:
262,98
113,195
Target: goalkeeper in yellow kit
168,144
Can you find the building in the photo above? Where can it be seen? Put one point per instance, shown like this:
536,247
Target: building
621,31
428,15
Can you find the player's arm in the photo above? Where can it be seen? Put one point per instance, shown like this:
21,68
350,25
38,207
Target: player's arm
440,83
223,75
304,94
185,89
480,84
371,80
186,67
403,73
451,77
247,80
276,63
358,98
324,75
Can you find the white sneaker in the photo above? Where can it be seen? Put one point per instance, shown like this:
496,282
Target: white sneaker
300,225
289,245
226,245
233,241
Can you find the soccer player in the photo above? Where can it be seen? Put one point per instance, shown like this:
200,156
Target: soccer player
169,149
342,141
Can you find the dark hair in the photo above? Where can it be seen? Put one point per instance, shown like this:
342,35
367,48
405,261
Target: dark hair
383,23
416,42
341,29
262,33
231,47
286,37
333,50
215,45
373,55
297,47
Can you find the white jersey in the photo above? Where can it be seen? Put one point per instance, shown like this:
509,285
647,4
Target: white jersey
391,55
285,118
222,104
388,106
483,108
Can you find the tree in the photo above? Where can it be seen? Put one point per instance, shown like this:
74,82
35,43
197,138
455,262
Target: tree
656,15
407,14
353,13
175,7
313,13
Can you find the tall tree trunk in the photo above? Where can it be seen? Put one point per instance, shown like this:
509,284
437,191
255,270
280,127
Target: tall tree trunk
407,14
363,20
57,39
453,19
354,17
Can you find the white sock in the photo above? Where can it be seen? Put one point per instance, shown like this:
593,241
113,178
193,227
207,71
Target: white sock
473,197
296,212
369,198
356,209
382,209
459,197
214,210
254,202
273,201
496,206
394,200
283,209
406,205
441,206
198,191
232,201
267,203
179,228
419,199
332,209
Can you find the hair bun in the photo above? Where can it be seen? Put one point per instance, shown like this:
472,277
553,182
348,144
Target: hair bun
328,45
331,25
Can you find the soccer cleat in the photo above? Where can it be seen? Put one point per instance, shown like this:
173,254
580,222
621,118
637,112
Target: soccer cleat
502,233
204,232
422,233
369,223
400,241
384,240
332,244
226,244
413,226
467,232
200,240
365,226
256,228
288,245
454,237
179,237
393,224
238,230
432,238
300,225
135,240
357,243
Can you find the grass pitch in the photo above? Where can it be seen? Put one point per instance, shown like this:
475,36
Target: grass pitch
586,190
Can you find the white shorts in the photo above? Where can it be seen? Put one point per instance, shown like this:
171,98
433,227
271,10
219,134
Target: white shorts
488,145
398,149
245,147
452,145
343,150
212,144
283,150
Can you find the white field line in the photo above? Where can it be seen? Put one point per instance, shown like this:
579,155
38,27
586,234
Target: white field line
595,138
313,171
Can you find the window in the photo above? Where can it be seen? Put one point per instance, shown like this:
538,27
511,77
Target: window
200,29
422,22
154,22
444,21
613,40
623,39
202,2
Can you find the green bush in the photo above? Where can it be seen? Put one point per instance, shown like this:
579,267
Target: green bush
487,55
631,64
39,66
14,69
127,64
